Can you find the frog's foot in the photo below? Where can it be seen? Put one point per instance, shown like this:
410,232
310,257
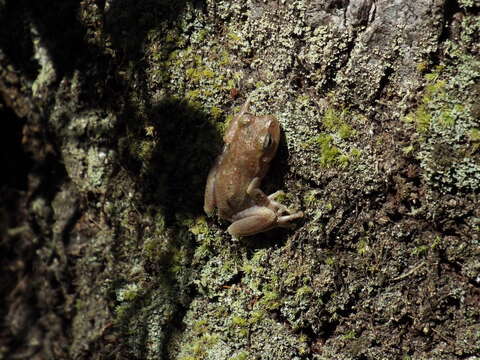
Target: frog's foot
285,221
281,209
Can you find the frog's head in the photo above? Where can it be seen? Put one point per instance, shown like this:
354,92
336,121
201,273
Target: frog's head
263,131
255,138
268,136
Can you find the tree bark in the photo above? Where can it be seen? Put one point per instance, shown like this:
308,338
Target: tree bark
113,113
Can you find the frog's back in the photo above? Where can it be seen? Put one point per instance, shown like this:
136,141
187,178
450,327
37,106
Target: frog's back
232,182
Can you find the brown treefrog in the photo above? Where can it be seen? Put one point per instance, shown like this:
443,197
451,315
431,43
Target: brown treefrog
233,182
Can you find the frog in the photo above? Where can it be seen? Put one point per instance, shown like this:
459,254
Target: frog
233,183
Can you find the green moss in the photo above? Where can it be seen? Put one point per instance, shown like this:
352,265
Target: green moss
303,346
241,325
128,296
225,59
421,118
311,198
329,153
330,260
256,317
303,292
179,258
121,310
192,94
362,246
270,300
303,99
446,119
336,121
197,226
465,4
234,37
355,153
243,355
151,248
437,242
345,131
350,335
195,75
421,67
421,250
171,37
248,269
332,119
200,327
201,35
216,112
199,349
239,321
474,135
343,161
435,74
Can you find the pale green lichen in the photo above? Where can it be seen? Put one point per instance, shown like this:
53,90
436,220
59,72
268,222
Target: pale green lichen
256,299
445,122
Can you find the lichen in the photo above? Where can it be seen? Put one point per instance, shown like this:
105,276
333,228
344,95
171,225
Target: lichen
446,124
339,285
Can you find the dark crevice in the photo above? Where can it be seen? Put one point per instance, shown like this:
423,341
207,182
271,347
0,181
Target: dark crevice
450,8
16,38
328,328
16,163
383,83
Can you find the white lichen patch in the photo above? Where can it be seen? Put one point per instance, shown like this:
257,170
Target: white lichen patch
89,167
47,73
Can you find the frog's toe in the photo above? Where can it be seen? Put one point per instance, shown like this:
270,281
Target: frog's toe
285,220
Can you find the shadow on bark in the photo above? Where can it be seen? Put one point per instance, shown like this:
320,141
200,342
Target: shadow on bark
169,171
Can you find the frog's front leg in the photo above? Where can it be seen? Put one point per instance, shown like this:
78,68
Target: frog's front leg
260,198
254,191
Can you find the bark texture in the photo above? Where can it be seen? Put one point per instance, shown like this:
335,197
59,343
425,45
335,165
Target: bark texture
112,112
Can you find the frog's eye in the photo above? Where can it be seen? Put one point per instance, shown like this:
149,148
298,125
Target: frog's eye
267,142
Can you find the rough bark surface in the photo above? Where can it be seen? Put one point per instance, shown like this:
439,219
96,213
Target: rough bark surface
112,112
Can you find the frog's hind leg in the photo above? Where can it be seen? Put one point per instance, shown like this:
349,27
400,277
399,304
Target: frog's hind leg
252,221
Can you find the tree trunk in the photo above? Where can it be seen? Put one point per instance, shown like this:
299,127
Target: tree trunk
112,114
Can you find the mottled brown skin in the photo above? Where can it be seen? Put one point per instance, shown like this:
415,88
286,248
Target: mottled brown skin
251,143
